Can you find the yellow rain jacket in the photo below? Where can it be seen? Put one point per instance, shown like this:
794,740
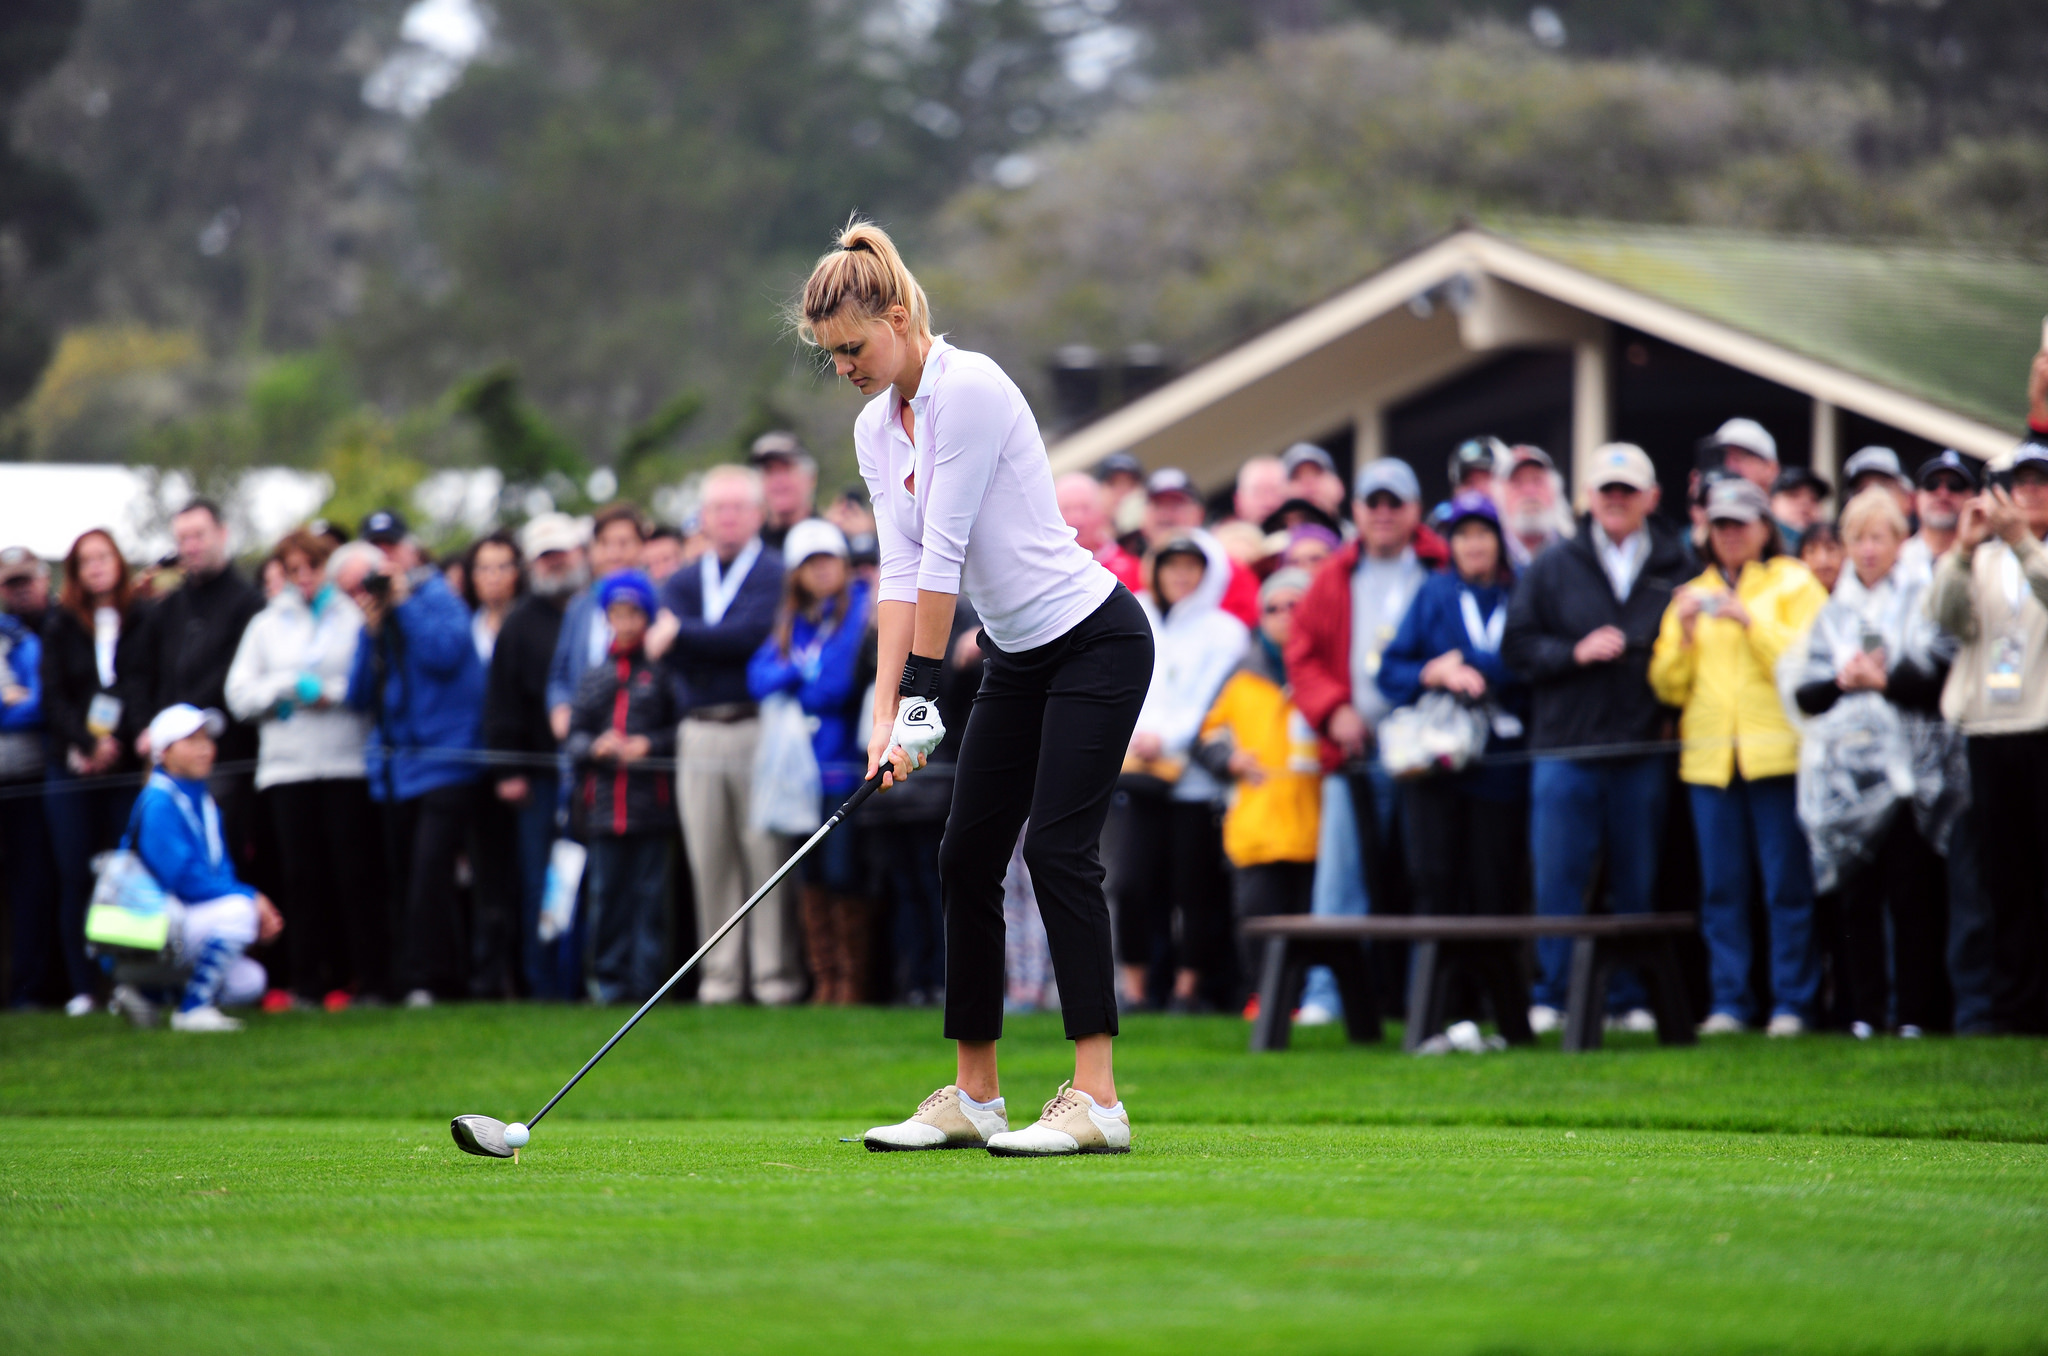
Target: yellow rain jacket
1275,820
1725,682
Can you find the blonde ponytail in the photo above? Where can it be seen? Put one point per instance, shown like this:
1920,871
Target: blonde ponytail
861,277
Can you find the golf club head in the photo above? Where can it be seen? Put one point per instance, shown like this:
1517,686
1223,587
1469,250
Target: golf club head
480,1135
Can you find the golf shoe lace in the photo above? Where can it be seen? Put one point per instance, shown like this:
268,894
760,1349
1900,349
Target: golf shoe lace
1061,1100
928,1103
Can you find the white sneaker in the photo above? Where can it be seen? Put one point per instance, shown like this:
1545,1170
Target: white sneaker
1910,1032
1723,1024
943,1121
1638,1020
1544,1018
1785,1024
420,998
127,1000
208,1018
1071,1123
1861,1030
1314,1014
81,1005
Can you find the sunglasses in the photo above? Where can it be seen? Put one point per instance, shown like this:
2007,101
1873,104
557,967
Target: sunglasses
1947,485
1278,609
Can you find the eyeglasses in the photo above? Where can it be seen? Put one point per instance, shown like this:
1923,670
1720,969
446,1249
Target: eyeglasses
1947,485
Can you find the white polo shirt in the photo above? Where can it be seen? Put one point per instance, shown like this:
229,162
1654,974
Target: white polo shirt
983,520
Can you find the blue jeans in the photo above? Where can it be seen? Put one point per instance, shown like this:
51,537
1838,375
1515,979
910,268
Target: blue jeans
1575,810
628,895
1970,943
835,863
1339,890
1737,824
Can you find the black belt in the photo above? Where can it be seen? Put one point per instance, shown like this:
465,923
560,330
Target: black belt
724,713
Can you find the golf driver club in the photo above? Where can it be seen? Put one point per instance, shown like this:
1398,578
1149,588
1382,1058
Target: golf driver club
486,1137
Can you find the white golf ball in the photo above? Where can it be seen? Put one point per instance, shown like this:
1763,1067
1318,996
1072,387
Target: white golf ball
516,1135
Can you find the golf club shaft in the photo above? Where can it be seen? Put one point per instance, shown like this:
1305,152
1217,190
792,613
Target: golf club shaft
853,802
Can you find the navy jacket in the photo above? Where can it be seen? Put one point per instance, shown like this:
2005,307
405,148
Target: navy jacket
708,662
423,665
1435,625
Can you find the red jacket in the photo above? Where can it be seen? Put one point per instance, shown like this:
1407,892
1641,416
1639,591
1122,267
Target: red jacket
1124,566
1319,650
1241,597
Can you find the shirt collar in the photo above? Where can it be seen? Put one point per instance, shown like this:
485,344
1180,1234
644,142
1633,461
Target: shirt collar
930,375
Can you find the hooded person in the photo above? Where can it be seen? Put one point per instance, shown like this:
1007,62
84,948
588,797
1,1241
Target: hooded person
1172,846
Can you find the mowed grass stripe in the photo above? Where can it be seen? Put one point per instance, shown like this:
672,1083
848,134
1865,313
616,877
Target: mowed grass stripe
856,1067
347,1236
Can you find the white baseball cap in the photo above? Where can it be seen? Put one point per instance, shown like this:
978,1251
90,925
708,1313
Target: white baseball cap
182,721
1623,464
547,532
812,537
1750,436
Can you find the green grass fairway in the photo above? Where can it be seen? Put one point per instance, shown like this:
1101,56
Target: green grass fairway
294,1189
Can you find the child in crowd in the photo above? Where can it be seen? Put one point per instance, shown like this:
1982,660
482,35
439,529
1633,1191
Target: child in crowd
177,833
624,713
1255,739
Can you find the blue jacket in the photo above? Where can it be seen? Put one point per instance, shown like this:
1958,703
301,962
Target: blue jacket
708,661
432,683
177,834
1435,625
25,669
823,685
572,648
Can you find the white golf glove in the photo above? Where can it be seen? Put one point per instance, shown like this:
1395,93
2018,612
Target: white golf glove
918,728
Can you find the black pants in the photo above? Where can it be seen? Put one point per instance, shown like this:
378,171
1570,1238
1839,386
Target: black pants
2010,800
30,880
1171,888
328,845
1263,891
1906,880
494,940
1470,856
1047,734
427,834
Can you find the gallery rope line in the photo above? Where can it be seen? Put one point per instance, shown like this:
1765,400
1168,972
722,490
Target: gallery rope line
512,763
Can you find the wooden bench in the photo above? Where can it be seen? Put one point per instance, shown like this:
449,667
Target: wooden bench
1294,942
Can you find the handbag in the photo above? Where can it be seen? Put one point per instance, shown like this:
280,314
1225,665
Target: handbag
787,790
129,908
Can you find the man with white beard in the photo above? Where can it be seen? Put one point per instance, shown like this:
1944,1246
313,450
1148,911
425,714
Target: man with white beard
1945,484
1532,504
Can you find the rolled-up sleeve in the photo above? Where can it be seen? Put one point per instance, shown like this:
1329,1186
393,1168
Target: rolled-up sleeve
968,425
899,554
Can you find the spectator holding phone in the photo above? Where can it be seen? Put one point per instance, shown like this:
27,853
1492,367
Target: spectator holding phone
1874,637
1715,659
1991,593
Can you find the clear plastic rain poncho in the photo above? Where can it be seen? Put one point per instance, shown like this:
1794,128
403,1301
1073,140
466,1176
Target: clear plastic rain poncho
1441,732
1864,760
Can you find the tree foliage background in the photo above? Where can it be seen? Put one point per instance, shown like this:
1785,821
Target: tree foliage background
231,232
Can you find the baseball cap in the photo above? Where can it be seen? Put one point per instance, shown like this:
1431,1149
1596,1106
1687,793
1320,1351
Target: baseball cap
1287,577
1801,478
1748,435
1528,454
384,526
1953,463
1119,463
1623,464
179,721
813,537
1303,454
776,445
18,562
629,586
1873,461
1297,511
1170,480
1466,505
2030,453
1181,546
1736,500
549,532
1477,454
1388,475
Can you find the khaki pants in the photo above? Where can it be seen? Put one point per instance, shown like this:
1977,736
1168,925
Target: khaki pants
728,862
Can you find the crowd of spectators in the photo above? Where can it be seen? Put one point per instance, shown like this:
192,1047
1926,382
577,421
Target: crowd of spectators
1821,731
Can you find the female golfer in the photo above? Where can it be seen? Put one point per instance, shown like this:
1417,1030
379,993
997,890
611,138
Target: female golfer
963,499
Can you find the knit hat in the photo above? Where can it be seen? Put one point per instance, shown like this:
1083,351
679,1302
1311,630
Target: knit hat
628,586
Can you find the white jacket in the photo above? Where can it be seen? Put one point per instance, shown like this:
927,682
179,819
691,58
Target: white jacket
285,640
1195,646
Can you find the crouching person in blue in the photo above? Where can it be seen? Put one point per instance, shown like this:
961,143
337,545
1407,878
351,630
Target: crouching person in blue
623,714
214,916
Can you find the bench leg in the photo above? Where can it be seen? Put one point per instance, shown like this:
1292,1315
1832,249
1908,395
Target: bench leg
1352,966
1659,966
1279,986
1585,1006
1425,994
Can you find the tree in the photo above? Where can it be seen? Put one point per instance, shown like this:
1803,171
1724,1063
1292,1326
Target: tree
43,211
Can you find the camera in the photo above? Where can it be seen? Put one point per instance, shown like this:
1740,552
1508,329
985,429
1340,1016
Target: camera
378,586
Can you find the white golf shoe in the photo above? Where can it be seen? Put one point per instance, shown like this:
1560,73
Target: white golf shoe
944,1120
1638,1020
208,1018
1072,1123
1723,1024
1544,1019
